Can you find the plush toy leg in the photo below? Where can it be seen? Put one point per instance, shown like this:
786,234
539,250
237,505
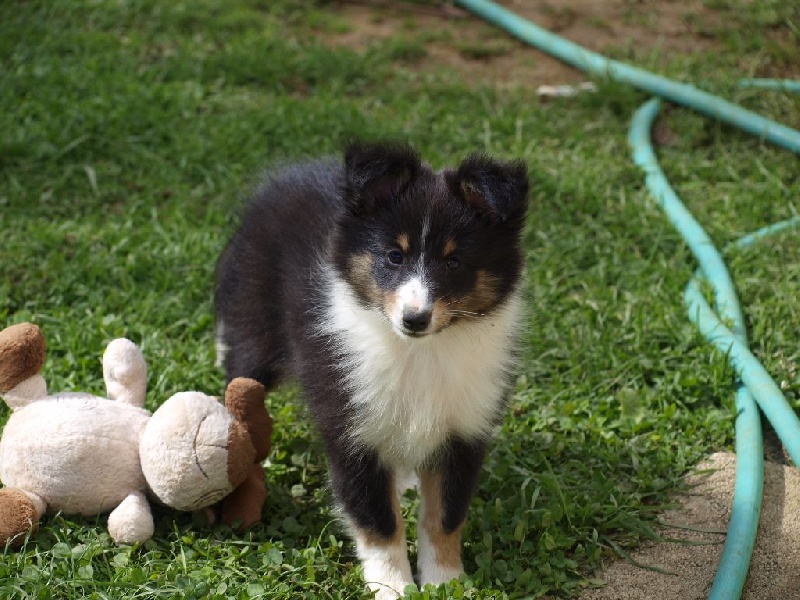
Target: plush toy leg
19,513
131,521
125,372
242,507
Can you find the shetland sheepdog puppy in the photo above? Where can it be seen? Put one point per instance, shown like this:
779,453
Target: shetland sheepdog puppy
391,293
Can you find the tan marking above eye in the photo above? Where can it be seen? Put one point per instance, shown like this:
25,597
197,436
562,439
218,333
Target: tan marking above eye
403,243
450,246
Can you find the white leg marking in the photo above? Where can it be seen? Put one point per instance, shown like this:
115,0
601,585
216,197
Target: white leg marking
386,567
439,552
221,348
428,566
406,480
385,561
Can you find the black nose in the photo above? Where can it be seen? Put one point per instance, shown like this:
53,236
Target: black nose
416,320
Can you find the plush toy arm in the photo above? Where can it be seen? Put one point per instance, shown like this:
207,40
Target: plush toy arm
125,372
20,512
132,520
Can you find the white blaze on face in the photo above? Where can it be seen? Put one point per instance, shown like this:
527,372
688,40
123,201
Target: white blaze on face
426,229
413,294
412,297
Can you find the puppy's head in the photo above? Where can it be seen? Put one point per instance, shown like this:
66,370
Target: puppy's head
426,249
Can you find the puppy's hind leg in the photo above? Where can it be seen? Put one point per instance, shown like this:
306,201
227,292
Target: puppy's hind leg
368,495
446,490
249,355
220,346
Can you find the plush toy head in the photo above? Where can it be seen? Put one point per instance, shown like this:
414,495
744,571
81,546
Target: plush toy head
83,454
194,452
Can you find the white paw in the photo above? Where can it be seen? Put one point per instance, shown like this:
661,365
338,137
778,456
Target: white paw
388,584
438,574
386,568
388,594
437,563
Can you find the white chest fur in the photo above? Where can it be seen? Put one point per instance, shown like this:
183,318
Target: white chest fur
411,394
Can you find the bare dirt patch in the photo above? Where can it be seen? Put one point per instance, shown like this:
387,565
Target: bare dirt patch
450,38
775,569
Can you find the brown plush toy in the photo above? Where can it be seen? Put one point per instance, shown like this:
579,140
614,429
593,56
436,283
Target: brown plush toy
83,454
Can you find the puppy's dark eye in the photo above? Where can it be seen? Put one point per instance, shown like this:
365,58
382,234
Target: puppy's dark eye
453,263
394,257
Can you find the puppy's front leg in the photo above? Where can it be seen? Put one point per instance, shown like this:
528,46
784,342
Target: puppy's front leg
367,493
446,490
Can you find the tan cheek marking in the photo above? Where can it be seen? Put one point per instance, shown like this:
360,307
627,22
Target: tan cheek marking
447,546
449,247
389,301
486,288
441,315
483,296
360,266
403,243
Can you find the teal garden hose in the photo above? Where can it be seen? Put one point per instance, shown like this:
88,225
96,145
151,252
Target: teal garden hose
755,386
756,389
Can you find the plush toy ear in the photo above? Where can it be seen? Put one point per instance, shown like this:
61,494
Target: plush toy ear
244,399
22,352
376,172
496,190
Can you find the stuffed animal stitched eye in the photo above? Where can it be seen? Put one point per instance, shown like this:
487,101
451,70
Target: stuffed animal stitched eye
394,257
453,263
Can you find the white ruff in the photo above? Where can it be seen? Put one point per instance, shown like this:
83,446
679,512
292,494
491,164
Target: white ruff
412,393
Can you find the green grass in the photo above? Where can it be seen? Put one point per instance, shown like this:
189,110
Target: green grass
129,132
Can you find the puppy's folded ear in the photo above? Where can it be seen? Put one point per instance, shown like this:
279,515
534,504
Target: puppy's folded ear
494,189
376,172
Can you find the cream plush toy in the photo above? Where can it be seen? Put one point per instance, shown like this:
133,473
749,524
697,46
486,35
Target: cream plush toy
82,454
